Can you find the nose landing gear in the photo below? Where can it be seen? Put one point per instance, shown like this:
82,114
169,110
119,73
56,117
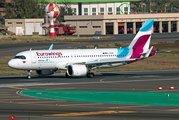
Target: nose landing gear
29,74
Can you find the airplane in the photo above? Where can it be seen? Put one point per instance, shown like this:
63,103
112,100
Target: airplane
80,62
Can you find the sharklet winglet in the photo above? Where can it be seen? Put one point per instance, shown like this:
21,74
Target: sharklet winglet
51,47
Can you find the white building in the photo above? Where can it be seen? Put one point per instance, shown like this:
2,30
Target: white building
25,26
99,7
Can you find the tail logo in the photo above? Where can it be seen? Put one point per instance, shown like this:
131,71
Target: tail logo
140,43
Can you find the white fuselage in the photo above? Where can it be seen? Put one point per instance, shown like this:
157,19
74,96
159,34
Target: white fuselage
59,59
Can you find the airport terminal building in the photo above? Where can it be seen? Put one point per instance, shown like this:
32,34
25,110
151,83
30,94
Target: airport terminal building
122,24
114,17
101,17
104,24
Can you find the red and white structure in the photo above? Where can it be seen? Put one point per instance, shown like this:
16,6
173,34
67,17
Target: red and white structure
160,88
171,88
52,11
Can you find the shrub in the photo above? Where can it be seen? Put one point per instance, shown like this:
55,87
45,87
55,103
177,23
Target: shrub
13,34
118,44
35,33
177,41
82,47
14,38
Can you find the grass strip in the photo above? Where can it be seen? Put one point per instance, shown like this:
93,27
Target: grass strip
26,39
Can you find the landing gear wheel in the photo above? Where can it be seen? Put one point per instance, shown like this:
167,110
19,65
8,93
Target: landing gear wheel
67,75
28,77
29,74
90,75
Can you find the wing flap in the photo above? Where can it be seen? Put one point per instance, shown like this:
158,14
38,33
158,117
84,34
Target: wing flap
103,61
106,61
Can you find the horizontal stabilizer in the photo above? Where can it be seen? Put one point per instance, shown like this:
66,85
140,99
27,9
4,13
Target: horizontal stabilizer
148,53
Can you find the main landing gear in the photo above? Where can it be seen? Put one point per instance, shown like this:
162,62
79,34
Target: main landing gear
29,74
67,75
90,75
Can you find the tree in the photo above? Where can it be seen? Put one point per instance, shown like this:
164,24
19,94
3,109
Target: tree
20,9
158,5
65,10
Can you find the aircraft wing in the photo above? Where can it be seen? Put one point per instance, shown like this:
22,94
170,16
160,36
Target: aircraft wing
105,61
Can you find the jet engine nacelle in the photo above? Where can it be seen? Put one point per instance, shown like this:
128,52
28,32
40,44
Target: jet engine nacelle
45,72
77,70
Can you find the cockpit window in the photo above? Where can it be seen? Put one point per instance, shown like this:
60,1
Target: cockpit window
19,57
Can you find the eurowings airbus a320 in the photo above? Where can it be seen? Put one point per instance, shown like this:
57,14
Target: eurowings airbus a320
80,62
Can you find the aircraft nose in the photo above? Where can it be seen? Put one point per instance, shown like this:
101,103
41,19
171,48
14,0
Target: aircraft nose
12,64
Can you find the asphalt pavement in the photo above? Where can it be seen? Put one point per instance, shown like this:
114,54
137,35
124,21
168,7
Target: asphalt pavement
14,48
23,107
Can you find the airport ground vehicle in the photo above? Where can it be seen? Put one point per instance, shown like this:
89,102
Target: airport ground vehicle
64,29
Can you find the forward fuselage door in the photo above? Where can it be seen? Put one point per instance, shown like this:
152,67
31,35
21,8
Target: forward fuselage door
33,58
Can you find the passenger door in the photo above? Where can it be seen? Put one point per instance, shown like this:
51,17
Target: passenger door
33,58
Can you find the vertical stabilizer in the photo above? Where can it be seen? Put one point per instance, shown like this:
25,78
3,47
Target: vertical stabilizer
140,43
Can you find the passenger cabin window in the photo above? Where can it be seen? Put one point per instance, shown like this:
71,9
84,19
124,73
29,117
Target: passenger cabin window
19,57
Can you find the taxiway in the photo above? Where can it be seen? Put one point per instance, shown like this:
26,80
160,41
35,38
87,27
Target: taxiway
14,48
22,107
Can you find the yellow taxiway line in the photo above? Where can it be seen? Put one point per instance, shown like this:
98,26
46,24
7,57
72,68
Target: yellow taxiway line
90,113
81,104
17,99
18,88
3,92
173,110
101,80
61,88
